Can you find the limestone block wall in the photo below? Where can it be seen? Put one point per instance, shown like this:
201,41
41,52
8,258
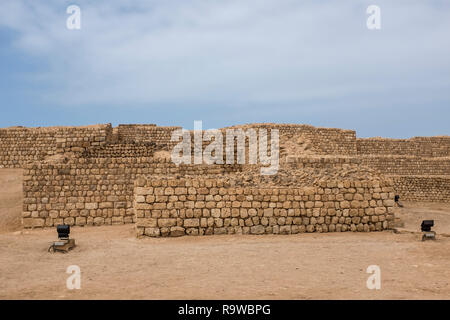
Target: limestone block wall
323,141
415,178
407,165
423,188
19,146
202,206
148,133
129,131
418,146
121,150
321,162
93,191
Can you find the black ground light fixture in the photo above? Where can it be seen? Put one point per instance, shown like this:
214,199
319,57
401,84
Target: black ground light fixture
64,244
63,231
426,229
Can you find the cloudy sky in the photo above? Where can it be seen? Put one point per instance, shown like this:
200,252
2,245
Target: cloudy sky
227,62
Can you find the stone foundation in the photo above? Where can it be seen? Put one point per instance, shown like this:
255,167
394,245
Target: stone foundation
175,207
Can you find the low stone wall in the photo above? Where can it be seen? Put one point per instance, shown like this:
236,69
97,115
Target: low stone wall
121,150
321,162
175,207
19,145
127,132
93,191
418,146
423,188
408,165
323,141
161,136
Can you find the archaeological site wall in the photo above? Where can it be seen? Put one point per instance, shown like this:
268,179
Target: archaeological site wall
87,175
321,141
160,136
19,146
407,165
423,188
121,150
339,162
202,206
420,166
418,146
93,191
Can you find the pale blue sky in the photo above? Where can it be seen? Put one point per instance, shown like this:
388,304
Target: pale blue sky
228,62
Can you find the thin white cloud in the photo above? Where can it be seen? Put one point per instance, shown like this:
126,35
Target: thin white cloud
198,52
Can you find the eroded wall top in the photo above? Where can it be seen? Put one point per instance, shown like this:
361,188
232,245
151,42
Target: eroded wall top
418,146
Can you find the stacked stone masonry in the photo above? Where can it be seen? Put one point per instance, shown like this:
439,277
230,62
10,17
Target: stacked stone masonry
418,146
86,175
121,150
160,136
324,141
19,146
423,188
408,165
93,191
202,206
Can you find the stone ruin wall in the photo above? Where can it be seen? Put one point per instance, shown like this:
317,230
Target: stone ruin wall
97,191
19,145
417,146
408,165
147,133
420,166
202,206
93,183
313,140
121,150
93,191
423,188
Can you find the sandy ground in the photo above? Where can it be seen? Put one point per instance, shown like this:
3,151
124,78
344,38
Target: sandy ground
10,199
116,265
414,213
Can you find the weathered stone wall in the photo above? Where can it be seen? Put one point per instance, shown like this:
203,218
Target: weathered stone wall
19,146
128,132
415,178
148,133
93,191
121,150
322,141
321,162
418,146
407,165
93,183
423,188
202,206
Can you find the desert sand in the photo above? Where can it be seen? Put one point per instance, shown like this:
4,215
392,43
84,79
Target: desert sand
10,199
116,265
